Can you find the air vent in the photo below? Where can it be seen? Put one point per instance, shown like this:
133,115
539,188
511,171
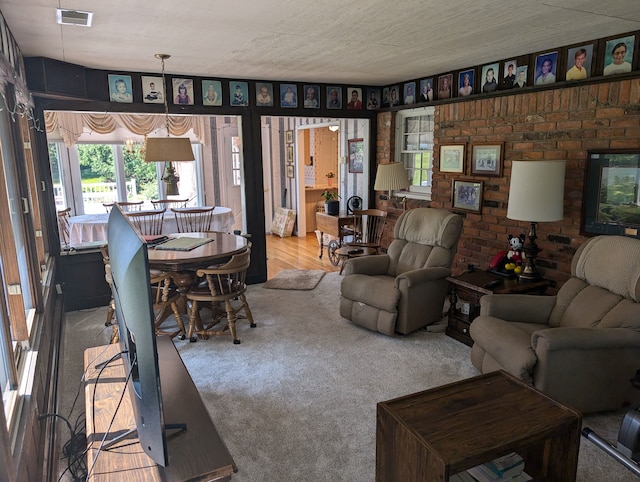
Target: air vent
73,17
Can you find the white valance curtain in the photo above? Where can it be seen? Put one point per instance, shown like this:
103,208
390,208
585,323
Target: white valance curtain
71,125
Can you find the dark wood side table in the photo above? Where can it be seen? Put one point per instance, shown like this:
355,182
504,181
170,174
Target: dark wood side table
473,285
429,436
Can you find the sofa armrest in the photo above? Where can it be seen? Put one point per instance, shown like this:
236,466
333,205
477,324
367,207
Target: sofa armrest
418,276
520,308
369,265
565,338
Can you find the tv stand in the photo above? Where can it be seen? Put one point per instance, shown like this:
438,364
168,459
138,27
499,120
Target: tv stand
195,454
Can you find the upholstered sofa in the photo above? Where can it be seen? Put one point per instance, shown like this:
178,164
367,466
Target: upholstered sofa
405,289
581,346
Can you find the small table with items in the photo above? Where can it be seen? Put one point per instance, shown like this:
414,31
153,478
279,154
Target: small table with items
473,285
431,435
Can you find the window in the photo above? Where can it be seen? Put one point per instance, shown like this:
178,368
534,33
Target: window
414,147
104,173
235,160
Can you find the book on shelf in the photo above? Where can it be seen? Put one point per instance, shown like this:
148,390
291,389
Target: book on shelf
509,468
507,465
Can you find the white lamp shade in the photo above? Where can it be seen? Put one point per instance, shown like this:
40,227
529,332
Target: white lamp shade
391,177
168,149
536,192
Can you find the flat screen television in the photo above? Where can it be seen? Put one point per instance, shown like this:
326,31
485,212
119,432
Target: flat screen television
134,313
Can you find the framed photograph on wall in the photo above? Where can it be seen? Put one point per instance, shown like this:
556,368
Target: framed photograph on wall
465,82
211,92
238,93
489,76
356,155
373,99
264,94
152,89
290,170
486,159
334,97
311,96
288,95
120,88
444,86
579,62
452,158
288,137
467,195
289,154
545,68
182,91
618,55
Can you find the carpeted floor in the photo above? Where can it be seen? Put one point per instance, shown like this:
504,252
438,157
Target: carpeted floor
296,400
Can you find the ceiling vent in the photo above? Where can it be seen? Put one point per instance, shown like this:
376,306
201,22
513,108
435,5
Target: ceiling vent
73,17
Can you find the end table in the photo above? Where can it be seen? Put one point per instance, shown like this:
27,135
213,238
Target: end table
473,285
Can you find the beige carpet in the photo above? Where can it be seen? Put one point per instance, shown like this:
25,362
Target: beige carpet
295,279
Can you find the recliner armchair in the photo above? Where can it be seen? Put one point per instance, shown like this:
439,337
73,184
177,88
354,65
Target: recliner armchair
581,346
405,289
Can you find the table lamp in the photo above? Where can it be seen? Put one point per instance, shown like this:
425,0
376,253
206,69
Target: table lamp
168,149
391,177
536,194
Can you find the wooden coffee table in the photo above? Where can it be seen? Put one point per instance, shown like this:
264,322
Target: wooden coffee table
431,435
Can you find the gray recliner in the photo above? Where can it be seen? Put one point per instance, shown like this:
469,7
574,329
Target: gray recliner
581,346
405,289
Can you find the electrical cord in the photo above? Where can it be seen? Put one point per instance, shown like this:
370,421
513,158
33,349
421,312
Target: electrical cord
73,449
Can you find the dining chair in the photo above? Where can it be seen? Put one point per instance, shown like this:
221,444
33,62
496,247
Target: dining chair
193,220
63,226
165,301
108,206
221,285
130,206
368,225
148,222
169,203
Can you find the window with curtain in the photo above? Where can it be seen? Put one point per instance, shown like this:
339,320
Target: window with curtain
414,147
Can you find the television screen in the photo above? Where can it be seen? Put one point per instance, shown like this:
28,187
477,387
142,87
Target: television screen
134,313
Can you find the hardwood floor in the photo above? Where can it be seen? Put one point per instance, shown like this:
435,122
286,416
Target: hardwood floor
295,253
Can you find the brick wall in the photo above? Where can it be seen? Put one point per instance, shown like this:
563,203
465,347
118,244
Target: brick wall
561,123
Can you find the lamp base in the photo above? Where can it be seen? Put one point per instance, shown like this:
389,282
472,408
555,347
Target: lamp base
530,250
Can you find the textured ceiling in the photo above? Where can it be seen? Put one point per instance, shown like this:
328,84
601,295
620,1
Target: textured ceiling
374,42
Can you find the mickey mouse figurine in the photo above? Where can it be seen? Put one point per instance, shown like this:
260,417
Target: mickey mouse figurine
515,255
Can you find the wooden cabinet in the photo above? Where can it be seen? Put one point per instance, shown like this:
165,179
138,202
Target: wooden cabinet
83,284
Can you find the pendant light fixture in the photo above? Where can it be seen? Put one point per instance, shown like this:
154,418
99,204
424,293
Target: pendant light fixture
168,149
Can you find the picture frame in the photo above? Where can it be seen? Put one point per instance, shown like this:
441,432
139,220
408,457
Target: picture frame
508,74
354,94
288,137
452,158
211,92
409,93
445,84
182,91
489,78
311,96
290,171
290,154
579,62
334,97
610,193
426,90
373,99
543,75
152,89
356,155
625,63
288,95
466,79
120,88
264,94
487,159
467,195
238,93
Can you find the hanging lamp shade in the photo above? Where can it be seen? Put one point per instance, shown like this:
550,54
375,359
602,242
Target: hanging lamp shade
168,149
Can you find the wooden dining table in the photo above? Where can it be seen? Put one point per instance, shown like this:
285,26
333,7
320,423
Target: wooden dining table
183,265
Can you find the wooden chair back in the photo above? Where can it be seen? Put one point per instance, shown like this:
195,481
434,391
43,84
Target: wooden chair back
63,226
368,227
228,280
129,206
148,222
193,220
169,203
108,206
